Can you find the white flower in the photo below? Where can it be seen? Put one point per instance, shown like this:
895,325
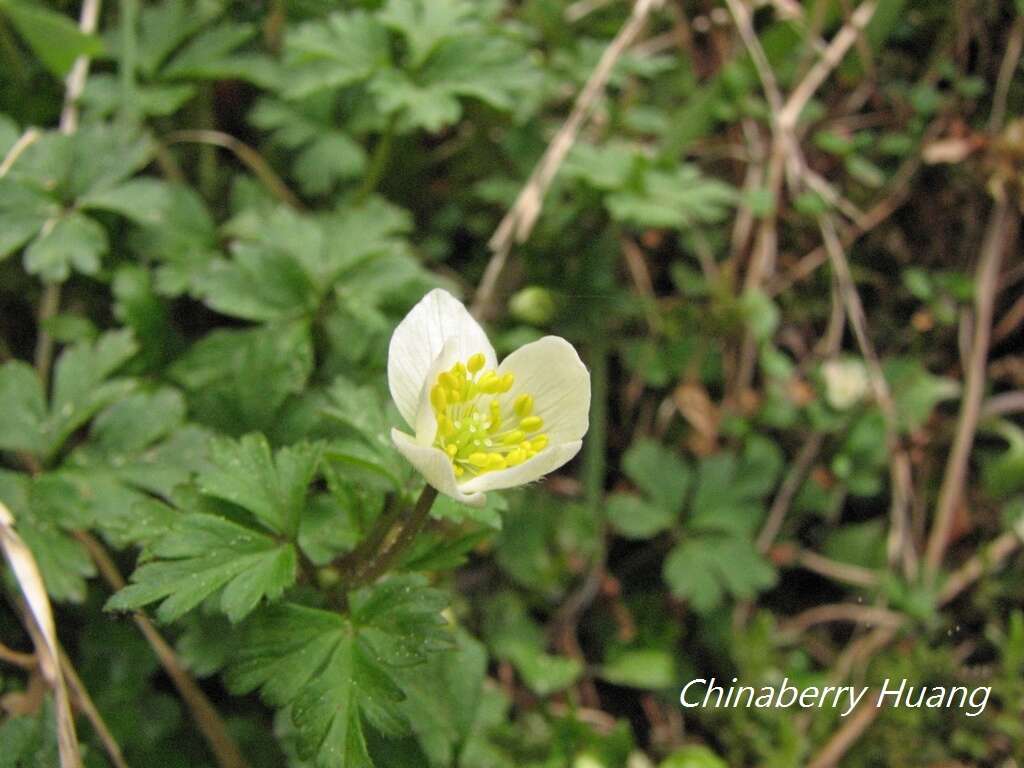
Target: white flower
846,382
480,426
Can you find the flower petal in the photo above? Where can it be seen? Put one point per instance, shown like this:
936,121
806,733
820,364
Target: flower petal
551,371
544,462
420,338
435,467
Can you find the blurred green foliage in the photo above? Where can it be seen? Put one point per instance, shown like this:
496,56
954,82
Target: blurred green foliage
256,193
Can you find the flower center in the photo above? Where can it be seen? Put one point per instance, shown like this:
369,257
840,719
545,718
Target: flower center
480,430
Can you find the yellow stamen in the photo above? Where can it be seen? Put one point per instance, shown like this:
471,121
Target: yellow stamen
523,406
531,423
479,430
514,437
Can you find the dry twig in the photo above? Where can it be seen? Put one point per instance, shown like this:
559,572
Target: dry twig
205,715
73,87
900,544
520,218
38,620
1002,224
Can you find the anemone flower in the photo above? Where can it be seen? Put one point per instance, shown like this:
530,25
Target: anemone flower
479,426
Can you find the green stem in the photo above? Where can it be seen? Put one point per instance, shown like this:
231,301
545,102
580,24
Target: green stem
378,162
415,522
129,20
595,457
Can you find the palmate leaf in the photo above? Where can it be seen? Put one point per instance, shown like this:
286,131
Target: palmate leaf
138,448
334,674
326,155
204,554
82,386
58,180
491,69
342,49
677,200
706,568
272,488
236,380
425,23
211,551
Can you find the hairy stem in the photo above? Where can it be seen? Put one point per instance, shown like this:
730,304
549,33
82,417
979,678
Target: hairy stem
415,522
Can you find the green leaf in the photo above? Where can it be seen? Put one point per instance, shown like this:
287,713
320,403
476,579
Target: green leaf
760,313
693,757
704,569
139,446
236,380
24,404
659,472
184,243
515,638
211,55
258,284
81,388
677,200
335,673
730,490
103,155
53,37
82,384
425,23
645,668
328,159
202,555
30,740
442,723
637,519
605,167
428,106
144,201
74,241
342,49
23,212
491,69
916,391
272,488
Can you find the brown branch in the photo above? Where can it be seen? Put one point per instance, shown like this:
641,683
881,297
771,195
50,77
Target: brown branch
846,736
205,715
900,544
790,485
17,658
840,612
1014,47
518,222
1003,404
987,561
1001,227
835,570
252,159
83,701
